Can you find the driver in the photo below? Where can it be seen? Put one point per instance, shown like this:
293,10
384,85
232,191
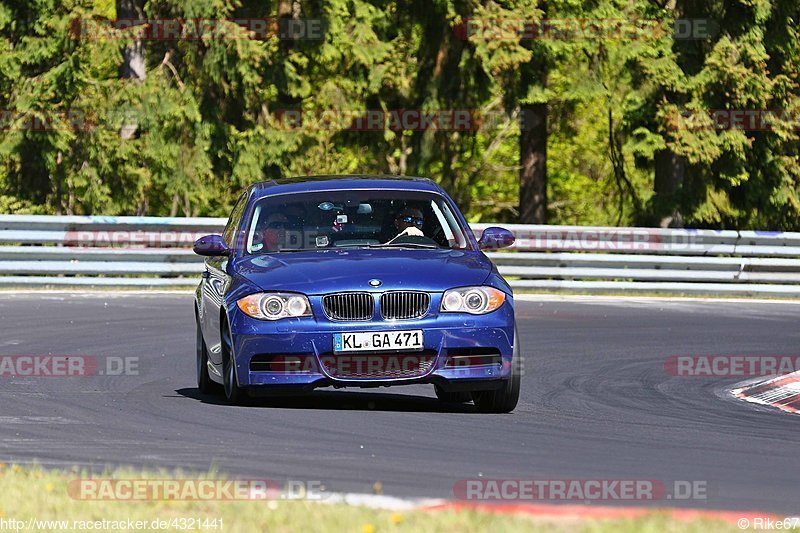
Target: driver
270,234
409,223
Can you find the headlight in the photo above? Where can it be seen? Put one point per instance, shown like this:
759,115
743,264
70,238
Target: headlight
473,300
275,305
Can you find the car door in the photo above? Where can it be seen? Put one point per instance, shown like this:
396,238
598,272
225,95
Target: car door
215,283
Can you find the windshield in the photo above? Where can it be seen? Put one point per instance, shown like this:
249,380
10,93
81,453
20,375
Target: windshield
347,219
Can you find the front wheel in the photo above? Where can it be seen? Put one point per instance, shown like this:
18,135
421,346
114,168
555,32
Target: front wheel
504,399
235,394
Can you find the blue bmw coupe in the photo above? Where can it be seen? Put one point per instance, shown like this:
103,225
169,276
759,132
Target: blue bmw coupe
354,281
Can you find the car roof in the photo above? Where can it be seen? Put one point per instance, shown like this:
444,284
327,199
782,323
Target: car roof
343,182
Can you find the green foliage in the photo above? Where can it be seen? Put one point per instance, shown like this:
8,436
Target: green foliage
209,118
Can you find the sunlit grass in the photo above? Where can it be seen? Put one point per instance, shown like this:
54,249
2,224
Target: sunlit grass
34,493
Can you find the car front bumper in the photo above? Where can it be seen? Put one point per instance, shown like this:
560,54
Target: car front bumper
445,337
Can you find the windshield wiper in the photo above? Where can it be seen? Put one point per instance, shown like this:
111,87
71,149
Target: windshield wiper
288,250
406,245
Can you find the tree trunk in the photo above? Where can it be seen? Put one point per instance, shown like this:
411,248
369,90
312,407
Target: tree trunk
59,183
533,137
669,172
533,164
132,66
669,167
285,8
285,15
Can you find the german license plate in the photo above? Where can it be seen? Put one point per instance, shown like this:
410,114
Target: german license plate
378,340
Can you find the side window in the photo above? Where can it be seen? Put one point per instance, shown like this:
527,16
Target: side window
234,220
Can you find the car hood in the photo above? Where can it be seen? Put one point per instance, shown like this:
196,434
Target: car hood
325,271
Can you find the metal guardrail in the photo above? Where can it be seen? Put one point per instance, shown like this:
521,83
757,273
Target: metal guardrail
156,252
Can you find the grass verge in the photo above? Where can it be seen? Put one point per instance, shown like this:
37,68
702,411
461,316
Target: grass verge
34,496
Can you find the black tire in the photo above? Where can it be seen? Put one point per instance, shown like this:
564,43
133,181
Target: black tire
452,397
504,399
204,383
235,394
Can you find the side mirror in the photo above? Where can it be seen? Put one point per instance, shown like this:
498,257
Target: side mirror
495,238
211,245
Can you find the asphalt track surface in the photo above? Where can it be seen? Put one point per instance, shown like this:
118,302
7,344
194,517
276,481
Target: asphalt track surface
596,403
